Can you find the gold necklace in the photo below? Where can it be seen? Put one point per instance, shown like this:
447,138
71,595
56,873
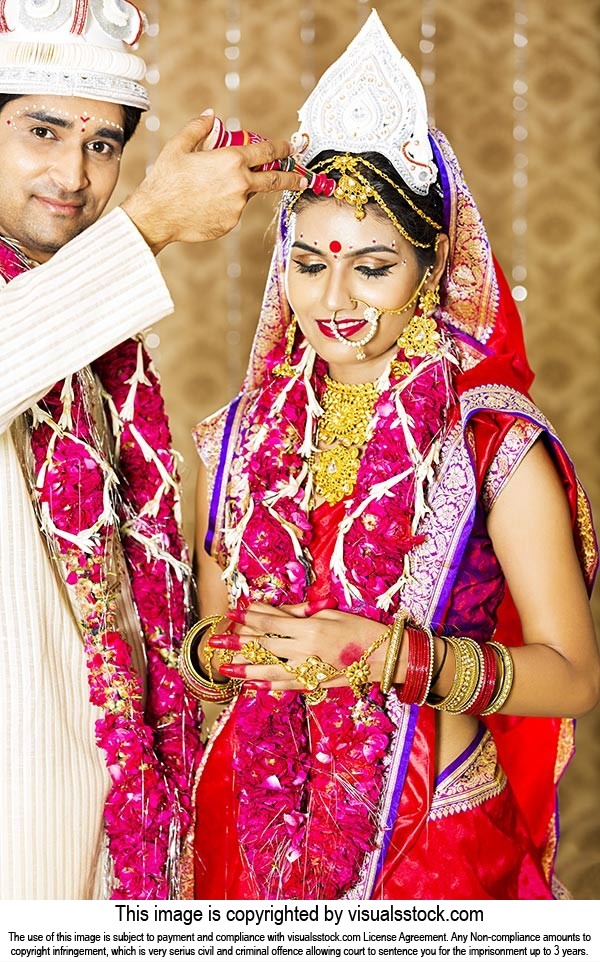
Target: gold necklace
347,411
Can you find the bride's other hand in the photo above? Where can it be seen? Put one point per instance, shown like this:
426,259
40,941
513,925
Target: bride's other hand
293,633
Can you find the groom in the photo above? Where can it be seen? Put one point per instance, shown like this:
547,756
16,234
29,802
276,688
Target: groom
97,753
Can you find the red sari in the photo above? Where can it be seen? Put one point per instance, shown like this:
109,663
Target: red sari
468,810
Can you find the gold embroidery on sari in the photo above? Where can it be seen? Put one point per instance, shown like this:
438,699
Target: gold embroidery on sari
476,780
565,747
513,449
585,531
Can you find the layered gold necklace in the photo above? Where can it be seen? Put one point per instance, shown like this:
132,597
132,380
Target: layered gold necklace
343,426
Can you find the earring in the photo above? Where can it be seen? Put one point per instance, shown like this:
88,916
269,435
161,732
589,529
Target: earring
421,336
286,369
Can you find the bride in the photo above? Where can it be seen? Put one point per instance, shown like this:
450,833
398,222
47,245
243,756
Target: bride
393,550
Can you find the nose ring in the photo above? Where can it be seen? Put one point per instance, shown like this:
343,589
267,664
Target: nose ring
372,320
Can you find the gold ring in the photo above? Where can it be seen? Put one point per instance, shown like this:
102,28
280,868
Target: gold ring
257,654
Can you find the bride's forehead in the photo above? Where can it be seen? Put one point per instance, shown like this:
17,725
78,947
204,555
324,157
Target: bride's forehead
329,219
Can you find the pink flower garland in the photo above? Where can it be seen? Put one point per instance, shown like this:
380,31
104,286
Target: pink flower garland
308,815
151,757
160,597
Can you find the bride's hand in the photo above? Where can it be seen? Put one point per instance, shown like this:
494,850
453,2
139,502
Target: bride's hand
292,634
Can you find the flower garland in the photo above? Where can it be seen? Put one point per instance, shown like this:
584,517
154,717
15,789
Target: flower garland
309,779
151,757
297,803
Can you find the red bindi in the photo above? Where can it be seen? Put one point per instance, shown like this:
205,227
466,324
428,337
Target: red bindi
335,247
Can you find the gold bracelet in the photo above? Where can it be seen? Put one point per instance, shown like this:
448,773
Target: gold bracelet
466,676
359,672
480,679
310,674
506,679
198,686
393,652
471,673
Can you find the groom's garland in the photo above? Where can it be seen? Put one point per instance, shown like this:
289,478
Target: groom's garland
151,755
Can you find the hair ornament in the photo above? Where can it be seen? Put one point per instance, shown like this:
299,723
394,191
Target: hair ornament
371,99
355,189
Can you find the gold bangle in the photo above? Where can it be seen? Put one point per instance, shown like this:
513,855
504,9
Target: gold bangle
480,677
359,672
466,676
198,686
393,652
197,631
440,702
471,673
506,680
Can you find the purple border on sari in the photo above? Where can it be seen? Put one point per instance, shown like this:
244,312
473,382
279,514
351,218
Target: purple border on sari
468,339
453,566
220,476
398,787
463,755
454,563
445,182
457,556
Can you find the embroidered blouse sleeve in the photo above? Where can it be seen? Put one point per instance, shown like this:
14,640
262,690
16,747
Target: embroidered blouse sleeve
99,289
515,445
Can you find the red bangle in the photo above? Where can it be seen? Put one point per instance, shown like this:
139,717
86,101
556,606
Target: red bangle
418,672
490,675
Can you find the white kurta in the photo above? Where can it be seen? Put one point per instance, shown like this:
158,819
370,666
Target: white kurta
100,289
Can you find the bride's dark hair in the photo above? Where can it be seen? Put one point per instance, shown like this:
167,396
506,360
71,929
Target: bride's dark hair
430,204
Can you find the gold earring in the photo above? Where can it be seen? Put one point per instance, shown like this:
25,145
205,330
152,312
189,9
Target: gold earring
285,369
421,336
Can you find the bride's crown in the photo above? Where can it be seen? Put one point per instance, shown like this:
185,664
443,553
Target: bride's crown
371,100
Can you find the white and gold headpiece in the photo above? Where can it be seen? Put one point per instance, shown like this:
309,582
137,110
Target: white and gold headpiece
76,48
371,100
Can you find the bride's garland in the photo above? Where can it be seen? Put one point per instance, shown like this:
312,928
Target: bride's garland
309,780
151,755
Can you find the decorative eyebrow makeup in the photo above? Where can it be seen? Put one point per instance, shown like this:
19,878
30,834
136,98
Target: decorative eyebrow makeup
56,117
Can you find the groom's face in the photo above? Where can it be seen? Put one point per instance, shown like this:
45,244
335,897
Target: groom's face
59,163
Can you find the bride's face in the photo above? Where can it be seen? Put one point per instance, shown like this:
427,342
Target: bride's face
337,261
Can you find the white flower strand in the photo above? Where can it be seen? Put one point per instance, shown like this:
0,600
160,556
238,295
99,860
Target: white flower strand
67,396
233,542
288,490
138,377
338,565
290,531
155,550
313,408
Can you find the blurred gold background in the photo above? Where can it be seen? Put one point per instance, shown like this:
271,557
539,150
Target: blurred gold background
256,61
